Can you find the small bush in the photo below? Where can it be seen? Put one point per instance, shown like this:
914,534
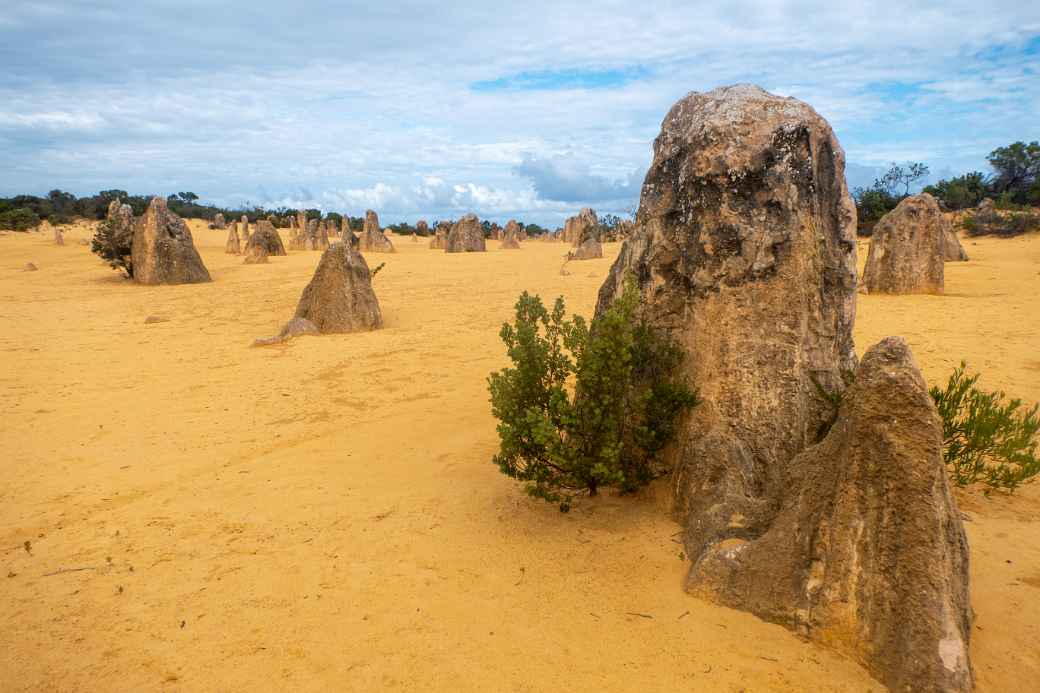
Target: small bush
985,438
995,224
623,410
114,246
19,219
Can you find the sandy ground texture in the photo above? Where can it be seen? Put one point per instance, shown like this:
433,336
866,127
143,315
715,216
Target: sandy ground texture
180,511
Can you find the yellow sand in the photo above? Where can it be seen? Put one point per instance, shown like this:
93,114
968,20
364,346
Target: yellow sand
324,515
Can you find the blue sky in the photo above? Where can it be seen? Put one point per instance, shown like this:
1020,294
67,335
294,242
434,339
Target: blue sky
528,110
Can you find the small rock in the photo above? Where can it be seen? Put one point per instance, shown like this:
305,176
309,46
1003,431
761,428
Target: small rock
30,267
152,319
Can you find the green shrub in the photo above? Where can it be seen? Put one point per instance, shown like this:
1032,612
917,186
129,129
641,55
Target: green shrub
114,246
1005,224
19,219
985,438
623,411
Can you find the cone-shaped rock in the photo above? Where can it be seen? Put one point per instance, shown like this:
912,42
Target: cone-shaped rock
373,240
218,221
340,297
266,235
233,247
577,230
466,236
868,553
907,249
163,251
511,236
422,228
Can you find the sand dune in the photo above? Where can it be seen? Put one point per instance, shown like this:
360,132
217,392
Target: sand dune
323,515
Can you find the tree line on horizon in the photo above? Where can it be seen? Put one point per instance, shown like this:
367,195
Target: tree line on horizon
24,212
1013,184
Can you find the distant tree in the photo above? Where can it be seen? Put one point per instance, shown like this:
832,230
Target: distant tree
1017,170
961,192
898,176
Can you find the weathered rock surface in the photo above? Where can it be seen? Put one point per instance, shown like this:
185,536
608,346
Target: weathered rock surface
266,235
440,236
373,240
867,552
744,253
243,230
218,221
323,236
511,236
422,228
577,230
466,236
294,328
589,250
339,298
233,247
163,251
120,218
953,251
256,253
907,249
59,237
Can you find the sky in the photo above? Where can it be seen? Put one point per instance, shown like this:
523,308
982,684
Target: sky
527,110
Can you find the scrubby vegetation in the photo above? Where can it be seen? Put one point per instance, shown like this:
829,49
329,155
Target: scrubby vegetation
114,246
986,438
993,223
19,219
609,429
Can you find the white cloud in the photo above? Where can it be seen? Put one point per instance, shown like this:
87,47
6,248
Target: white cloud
360,105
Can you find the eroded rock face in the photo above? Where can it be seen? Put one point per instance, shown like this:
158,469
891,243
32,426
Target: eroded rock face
440,236
339,298
591,249
907,249
577,230
422,228
256,253
744,253
953,251
323,236
59,237
233,247
511,236
121,218
218,221
466,236
243,231
373,240
868,552
266,235
163,251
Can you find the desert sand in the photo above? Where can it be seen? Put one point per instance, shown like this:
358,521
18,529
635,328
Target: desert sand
183,512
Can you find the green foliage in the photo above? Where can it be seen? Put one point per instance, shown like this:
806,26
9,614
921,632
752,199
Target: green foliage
114,247
19,219
962,192
985,438
1017,169
623,411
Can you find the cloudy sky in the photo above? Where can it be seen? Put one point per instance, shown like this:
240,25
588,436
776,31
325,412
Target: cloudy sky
529,109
